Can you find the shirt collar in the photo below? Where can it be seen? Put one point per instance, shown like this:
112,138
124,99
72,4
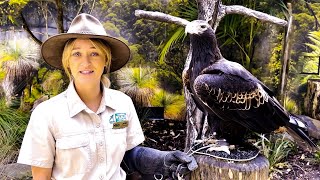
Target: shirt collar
76,105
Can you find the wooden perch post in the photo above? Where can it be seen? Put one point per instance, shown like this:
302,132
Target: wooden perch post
312,101
210,168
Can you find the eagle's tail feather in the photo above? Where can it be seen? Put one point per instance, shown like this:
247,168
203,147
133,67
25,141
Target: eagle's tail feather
296,130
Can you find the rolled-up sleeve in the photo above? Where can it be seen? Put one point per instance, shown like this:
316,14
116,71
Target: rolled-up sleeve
38,145
135,134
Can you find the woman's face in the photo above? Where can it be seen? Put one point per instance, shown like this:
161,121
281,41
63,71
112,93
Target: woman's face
86,63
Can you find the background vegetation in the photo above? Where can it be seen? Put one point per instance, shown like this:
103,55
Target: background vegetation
26,80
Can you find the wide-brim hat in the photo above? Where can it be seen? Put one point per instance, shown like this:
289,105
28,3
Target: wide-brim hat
84,26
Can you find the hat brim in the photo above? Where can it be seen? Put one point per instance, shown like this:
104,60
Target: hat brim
52,49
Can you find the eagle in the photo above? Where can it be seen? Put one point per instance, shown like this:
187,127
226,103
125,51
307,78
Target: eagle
225,89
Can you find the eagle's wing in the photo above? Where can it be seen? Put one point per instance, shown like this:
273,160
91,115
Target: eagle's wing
232,93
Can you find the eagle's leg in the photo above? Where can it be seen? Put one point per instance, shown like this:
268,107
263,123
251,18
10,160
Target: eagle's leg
205,127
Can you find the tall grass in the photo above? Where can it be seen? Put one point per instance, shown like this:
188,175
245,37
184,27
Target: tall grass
275,148
12,127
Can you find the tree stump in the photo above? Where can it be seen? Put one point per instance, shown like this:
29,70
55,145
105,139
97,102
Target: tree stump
212,168
312,99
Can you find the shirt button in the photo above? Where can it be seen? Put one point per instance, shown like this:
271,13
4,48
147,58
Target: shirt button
101,177
101,159
101,143
98,125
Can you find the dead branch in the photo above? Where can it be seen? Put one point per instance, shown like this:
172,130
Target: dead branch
236,9
158,16
27,29
313,14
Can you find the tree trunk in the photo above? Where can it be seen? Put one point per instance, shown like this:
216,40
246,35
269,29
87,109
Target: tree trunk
312,99
286,55
59,16
211,168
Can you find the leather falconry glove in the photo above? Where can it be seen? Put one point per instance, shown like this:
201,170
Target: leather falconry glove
155,164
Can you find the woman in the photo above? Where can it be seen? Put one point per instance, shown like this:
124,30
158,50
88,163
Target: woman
86,131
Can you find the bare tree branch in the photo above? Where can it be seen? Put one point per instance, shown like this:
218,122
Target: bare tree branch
59,16
26,28
158,16
286,55
313,14
236,9
94,1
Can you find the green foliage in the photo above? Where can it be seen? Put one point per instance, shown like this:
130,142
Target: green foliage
137,58
12,127
178,35
174,104
187,11
311,59
239,33
111,29
10,11
290,105
18,2
303,50
274,66
314,37
317,156
47,83
138,83
276,148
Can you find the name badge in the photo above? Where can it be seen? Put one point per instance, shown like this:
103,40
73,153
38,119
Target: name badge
120,125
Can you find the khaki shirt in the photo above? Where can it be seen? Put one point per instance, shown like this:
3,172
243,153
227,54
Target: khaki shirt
77,143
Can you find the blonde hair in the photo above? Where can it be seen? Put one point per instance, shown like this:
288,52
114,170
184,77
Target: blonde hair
97,43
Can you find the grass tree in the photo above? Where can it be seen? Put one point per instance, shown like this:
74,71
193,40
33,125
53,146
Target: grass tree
19,59
138,83
174,104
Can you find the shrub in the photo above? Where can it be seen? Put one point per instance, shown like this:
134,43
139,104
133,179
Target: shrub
12,127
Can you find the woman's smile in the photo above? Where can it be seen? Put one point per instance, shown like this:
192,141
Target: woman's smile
86,62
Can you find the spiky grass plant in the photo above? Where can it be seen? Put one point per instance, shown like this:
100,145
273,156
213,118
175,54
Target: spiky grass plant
54,83
290,105
18,60
275,148
174,104
12,127
138,83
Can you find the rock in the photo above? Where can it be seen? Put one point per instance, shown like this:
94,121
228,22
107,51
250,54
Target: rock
15,171
313,126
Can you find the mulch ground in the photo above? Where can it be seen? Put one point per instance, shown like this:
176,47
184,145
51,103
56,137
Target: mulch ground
170,135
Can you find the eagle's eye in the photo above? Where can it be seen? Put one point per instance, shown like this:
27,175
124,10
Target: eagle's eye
203,26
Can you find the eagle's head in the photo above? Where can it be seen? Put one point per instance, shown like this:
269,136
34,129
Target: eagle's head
200,28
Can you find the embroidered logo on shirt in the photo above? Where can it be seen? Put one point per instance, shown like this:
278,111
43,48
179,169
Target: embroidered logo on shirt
120,117
117,117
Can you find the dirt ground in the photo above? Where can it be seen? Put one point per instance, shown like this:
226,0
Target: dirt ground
170,135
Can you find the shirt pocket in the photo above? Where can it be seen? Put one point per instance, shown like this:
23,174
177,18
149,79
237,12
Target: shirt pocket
116,144
73,154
